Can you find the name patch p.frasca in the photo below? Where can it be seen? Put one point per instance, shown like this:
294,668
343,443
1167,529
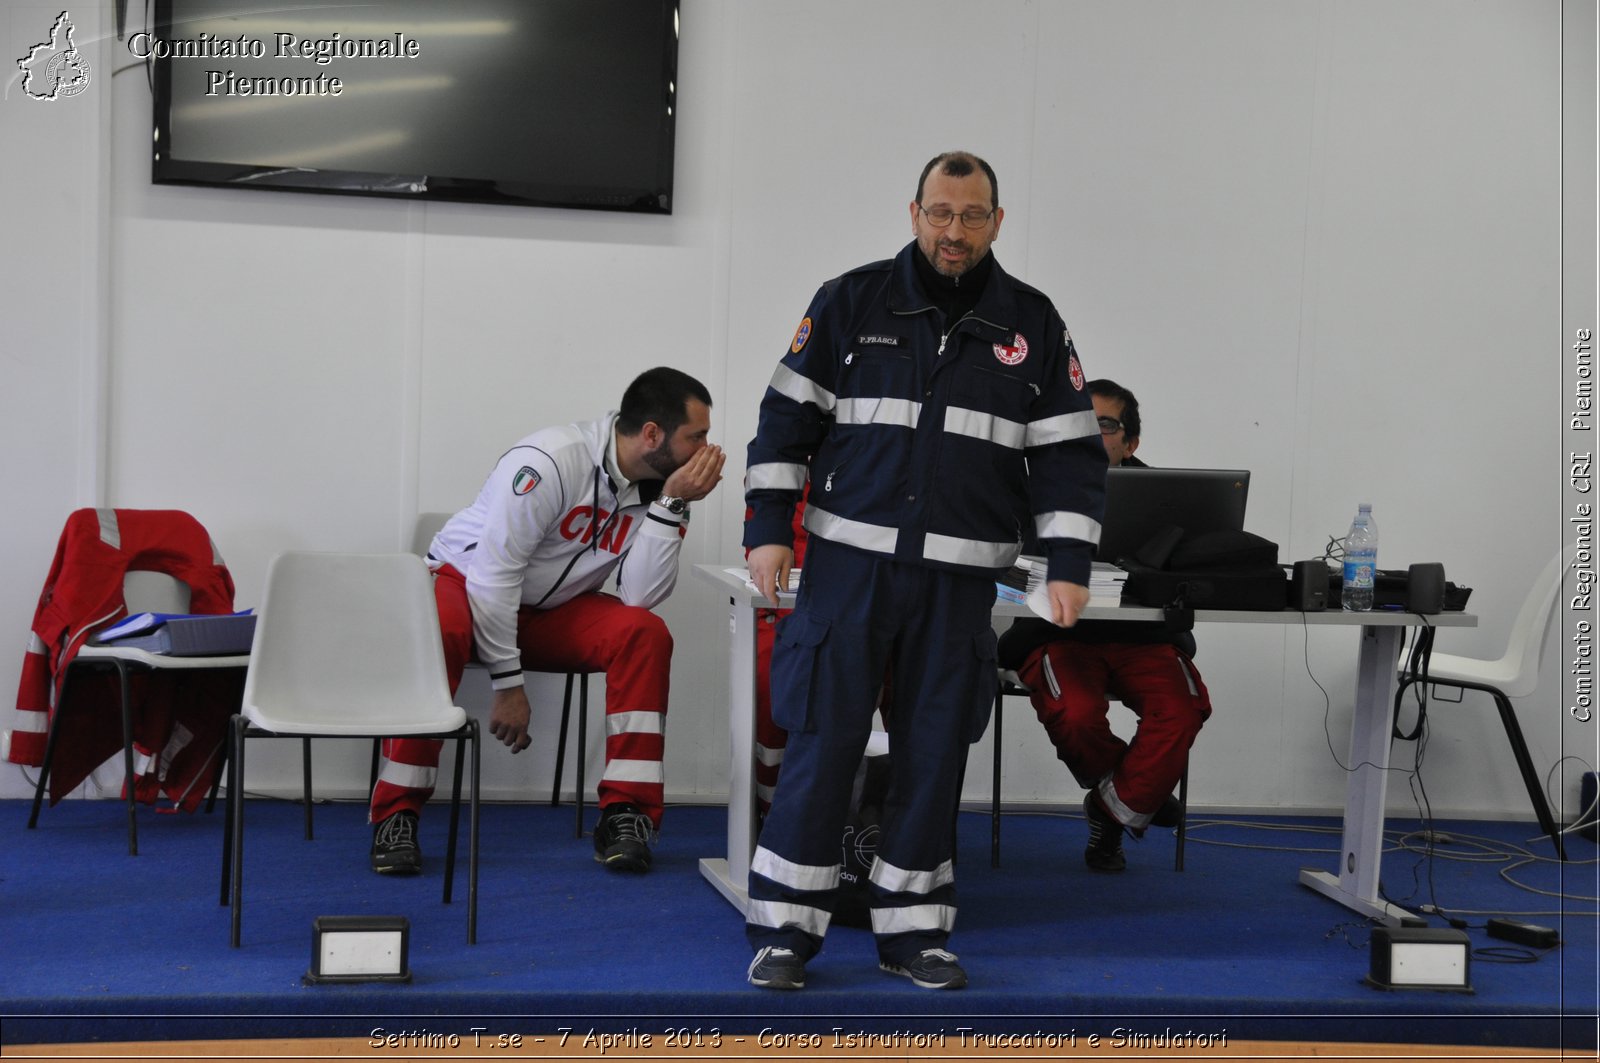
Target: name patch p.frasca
525,480
1015,353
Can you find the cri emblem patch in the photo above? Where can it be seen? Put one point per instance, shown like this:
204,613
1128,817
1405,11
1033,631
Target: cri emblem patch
1014,354
1075,371
525,480
801,334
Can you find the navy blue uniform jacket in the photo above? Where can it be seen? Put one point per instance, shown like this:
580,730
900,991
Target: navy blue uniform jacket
932,446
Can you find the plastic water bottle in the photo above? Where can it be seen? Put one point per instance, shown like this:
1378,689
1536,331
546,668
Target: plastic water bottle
1360,561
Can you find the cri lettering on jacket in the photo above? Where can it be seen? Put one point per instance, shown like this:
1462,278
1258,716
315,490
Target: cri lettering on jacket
580,523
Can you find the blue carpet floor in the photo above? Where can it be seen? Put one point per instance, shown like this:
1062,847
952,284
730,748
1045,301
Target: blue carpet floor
103,946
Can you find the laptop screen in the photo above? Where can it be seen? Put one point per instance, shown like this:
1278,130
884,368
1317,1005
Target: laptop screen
1142,502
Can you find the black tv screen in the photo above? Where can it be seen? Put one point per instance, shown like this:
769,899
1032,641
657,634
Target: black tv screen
563,103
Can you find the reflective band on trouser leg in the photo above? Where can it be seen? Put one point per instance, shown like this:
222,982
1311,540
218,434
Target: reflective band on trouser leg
790,904
406,776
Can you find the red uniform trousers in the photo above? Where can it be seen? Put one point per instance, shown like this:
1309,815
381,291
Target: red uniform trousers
591,633
1072,684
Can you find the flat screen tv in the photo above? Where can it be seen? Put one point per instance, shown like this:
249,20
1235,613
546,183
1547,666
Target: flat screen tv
556,103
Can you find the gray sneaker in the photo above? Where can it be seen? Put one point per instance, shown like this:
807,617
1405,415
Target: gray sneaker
930,969
777,968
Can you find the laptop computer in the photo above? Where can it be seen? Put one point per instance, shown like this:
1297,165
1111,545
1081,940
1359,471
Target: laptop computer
1142,502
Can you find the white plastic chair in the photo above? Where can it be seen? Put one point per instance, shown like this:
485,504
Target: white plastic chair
348,646
1514,674
428,525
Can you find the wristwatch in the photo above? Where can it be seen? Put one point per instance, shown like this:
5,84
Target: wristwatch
676,506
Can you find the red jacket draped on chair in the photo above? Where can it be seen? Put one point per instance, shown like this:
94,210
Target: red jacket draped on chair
179,725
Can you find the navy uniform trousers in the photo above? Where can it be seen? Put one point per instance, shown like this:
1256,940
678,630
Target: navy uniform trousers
857,614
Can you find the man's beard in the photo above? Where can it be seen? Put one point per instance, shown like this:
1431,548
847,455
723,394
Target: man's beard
661,460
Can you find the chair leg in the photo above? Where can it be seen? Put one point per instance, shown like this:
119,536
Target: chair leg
583,744
216,780
227,819
561,743
236,799
994,795
472,836
49,756
455,823
128,779
1183,815
1530,778
305,783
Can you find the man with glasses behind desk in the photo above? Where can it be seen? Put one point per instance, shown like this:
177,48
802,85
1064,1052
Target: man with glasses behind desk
938,410
1072,674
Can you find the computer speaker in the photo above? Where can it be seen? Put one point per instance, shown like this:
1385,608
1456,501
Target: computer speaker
1425,588
1308,586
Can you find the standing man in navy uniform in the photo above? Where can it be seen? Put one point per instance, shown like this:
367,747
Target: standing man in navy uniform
938,409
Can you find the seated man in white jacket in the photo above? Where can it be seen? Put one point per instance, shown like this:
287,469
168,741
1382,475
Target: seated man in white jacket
517,578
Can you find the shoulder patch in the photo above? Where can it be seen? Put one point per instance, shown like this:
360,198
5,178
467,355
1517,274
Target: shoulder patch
524,481
1074,370
801,334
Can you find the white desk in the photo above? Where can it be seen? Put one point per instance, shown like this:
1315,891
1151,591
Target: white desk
1353,884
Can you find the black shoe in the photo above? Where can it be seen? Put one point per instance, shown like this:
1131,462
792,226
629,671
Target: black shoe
1105,837
622,838
930,969
394,845
777,968
1170,814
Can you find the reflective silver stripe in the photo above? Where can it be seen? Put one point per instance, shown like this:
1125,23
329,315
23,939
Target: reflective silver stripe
1061,428
36,644
872,537
1065,525
1050,679
916,917
1125,815
765,793
407,776
776,475
33,721
1188,677
974,552
648,771
807,877
142,762
769,757
637,722
788,383
899,413
900,880
778,914
986,426
110,534
216,555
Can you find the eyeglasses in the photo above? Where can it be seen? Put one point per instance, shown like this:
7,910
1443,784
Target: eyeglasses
1109,426
939,217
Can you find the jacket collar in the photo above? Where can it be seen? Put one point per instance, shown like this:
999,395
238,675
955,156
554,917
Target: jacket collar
997,305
